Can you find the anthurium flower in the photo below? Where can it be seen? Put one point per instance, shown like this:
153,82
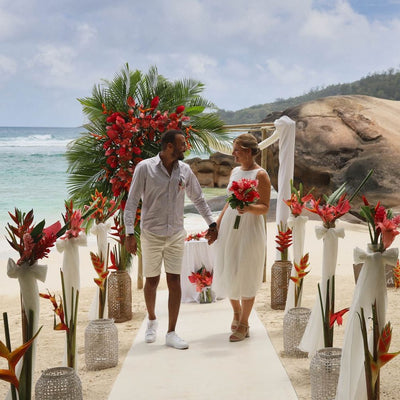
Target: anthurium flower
13,357
337,317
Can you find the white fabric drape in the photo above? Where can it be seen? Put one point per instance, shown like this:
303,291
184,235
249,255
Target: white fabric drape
101,231
371,286
27,276
313,338
298,226
70,268
286,133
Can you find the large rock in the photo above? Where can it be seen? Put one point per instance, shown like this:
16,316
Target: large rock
212,172
339,139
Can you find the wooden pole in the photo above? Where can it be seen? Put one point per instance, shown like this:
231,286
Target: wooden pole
140,272
264,165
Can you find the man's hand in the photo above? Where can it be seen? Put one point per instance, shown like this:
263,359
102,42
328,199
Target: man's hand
212,235
131,244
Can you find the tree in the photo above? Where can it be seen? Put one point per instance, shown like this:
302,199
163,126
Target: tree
139,107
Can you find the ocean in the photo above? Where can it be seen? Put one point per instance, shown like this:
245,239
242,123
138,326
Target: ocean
34,172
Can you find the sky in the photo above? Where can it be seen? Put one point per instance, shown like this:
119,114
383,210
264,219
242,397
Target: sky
245,52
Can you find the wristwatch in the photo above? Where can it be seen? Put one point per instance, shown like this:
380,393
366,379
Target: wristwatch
131,234
213,225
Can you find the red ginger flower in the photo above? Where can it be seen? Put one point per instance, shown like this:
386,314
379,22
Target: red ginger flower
330,213
284,241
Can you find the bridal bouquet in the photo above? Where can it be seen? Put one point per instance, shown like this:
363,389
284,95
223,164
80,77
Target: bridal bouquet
244,193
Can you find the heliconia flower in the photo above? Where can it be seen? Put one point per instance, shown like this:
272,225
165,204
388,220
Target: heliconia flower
102,272
383,356
58,310
337,317
300,270
283,239
13,357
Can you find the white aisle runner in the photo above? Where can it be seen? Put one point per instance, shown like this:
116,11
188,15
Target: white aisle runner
212,367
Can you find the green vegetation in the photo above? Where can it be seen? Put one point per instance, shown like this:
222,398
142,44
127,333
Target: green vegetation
384,85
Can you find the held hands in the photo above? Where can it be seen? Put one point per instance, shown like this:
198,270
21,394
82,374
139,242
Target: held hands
131,244
211,235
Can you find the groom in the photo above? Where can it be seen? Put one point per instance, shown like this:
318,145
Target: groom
161,183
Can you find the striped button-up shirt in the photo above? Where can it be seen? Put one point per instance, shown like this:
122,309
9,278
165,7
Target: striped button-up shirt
163,197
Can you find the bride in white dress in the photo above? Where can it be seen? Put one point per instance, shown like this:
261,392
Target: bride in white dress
240,253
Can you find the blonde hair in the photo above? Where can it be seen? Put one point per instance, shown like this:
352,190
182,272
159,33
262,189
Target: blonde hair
247,141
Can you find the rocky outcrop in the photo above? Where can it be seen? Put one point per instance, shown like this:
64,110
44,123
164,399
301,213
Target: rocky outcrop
212,172
339,139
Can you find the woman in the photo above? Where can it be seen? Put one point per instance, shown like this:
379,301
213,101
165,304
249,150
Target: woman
240,253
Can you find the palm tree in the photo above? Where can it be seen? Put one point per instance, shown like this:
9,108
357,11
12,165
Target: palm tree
86,155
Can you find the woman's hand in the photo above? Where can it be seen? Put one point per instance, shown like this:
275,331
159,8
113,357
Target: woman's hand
243,210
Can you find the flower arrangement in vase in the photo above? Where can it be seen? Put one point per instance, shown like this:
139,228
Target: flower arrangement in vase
101,269
33,243
203,281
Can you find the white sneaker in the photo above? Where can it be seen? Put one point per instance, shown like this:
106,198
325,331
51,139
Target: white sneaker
151,331
173,340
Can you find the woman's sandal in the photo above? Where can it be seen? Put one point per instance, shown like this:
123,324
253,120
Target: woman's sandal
235,322
238,336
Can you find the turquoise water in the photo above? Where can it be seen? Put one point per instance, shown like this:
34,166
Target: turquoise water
33,171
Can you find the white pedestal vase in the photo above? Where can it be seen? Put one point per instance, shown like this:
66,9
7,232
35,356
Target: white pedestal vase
371,287
313,338
298,226
70,268
27,276
101,231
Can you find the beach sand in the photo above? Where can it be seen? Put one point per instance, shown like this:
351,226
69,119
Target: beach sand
98,384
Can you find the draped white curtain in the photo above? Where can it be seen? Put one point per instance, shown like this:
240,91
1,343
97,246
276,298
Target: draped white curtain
286,133
313,338
371,287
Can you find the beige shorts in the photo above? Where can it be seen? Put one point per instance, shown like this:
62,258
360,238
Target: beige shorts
156,249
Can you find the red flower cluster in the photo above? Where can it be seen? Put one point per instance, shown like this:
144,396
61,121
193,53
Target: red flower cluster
127,134
383,226
329,213
201,278
195,236
244,193
284,241
73,219
103,208
33,242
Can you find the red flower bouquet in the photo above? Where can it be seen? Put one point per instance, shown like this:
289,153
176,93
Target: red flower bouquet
383,226
203,280
244,193
33,242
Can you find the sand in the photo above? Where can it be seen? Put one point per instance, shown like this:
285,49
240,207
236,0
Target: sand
98,384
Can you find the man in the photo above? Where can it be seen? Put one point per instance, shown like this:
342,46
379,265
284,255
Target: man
161,183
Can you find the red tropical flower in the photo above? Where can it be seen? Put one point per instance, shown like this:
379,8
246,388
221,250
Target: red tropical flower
337,317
